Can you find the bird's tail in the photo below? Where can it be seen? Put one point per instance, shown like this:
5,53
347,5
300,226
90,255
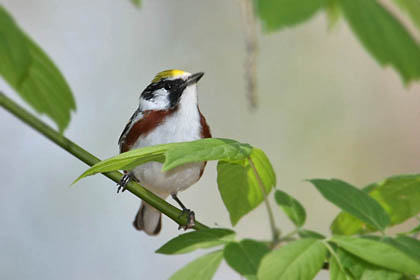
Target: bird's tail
148,219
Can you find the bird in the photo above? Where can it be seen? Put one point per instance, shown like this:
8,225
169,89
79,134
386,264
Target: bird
168,112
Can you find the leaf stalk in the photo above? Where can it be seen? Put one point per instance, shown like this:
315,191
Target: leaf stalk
274,230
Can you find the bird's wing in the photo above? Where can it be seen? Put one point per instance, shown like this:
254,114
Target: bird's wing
140,124
205,129
137,116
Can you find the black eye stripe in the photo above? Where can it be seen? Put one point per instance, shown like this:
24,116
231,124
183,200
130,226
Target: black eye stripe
168,86
147,94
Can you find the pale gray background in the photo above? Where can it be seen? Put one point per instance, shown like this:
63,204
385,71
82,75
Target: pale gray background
327,110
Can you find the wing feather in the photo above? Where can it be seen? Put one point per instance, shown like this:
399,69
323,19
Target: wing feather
141,124
137,116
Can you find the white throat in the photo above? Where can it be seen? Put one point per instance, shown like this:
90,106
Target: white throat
182,125
188,102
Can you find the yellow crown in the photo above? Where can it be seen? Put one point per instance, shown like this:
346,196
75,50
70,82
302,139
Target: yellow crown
168,74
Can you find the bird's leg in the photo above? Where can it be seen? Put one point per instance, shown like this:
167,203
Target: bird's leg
124,181
185,211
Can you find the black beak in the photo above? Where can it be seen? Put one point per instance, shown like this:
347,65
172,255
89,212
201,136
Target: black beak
194,78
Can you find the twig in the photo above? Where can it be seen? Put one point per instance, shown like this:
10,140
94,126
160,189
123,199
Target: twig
289,236
83,155
251,43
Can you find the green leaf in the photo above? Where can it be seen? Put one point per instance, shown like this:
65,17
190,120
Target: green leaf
32,74
277,14
202,268
128,160
239,186
205,149
136,3
360,269
387,40
305,233
346,224
245,256
352,264
191,241
300,259
337,271
412,8
333,12
406,244
239,195
398,195
14,54
378,253
381,274
354,201
263,166
173,155
291,207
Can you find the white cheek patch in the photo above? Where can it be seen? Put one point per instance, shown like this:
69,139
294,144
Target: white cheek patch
160,101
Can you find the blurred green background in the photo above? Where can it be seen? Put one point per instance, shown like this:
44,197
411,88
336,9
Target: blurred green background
327,109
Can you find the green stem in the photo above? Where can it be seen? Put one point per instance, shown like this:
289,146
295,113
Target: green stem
289,236
83,155
333,254
274,231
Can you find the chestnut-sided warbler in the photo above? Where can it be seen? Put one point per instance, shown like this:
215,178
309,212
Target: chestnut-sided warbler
168,112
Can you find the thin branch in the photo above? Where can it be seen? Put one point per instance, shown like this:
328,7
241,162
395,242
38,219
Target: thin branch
274,231
251,42
83,155
289,236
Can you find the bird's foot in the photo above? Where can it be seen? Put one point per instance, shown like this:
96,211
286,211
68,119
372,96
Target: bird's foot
190,219
122,185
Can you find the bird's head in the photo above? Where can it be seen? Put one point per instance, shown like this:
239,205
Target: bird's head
170,88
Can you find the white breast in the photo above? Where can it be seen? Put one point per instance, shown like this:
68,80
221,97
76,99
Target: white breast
183,125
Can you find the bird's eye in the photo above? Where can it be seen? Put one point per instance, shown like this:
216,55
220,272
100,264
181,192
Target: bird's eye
168,86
